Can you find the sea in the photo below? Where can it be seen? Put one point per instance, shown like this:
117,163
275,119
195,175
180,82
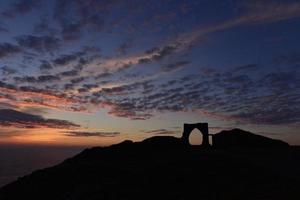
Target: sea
17,161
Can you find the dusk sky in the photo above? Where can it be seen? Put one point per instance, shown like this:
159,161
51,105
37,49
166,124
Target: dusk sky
97,72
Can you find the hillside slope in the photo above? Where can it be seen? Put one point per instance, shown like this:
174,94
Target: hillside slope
163,168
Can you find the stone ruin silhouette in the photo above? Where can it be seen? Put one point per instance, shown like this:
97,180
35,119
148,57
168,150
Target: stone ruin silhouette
230,138
202,127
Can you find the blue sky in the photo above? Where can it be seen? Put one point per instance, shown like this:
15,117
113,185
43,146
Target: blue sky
97,72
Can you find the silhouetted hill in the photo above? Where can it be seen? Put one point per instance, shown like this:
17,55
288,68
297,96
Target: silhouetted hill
241,138
164,168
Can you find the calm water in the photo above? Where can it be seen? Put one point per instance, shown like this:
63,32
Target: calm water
22,160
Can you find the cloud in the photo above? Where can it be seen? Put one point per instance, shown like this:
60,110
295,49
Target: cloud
270,11
223,95
25,96
86,16
39,43
91,134
67,58
5,105
125,110
255,12
20,7
17,119
71,31
7,49
220,128
160,132
35,110
8,132
157,53
270,117
39,79
174,66
124,47
6,71
246,68
290,59
45,65
252,14
69,73
81,79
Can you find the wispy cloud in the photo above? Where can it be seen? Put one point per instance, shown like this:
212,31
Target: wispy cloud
7,49
38,43
20,7
161,132
17,119
91,134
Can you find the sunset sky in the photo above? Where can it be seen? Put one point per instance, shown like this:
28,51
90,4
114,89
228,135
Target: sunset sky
96,72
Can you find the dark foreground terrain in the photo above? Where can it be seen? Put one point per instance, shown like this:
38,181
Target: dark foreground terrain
162,168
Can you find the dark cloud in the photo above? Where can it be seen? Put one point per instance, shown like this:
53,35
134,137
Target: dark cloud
124,109
124,47
220,127
71,31
270,117
90,86
7,49
6,71
152,50
45,65
66,59
85,16
120,111
124,89
20,7
69,73
47,78
68,86
17,119
174,66
246,68
77,80
281,81
91,134
161,132
82,90
113,90
39,79
29,79
39,43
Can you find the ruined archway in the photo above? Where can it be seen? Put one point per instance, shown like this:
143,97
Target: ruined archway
202,127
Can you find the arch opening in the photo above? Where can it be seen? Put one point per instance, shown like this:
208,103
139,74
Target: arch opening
195,137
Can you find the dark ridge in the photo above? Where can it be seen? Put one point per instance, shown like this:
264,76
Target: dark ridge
241,138
166,168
